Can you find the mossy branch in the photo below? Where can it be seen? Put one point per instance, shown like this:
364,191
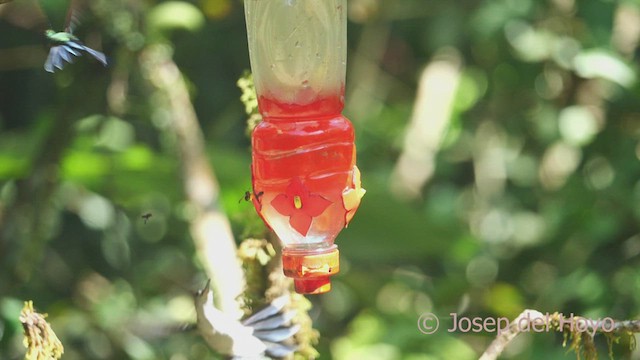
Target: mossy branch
250,101
579,332
39,339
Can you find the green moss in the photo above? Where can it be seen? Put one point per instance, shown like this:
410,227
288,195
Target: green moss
265,281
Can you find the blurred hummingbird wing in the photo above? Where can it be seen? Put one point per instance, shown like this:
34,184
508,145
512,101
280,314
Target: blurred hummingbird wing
276,335
277,350
273,308
74,15
274,322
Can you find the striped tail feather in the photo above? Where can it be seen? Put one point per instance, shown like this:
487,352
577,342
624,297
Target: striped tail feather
273,327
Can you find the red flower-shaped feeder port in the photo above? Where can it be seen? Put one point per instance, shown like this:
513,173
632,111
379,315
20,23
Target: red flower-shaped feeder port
300,205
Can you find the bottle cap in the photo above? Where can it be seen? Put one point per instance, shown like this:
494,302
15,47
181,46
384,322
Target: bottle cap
318,285
311,270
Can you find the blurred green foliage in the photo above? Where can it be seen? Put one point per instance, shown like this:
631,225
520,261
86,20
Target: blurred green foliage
534,200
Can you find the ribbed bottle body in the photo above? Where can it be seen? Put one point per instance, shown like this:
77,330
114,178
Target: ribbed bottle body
300,170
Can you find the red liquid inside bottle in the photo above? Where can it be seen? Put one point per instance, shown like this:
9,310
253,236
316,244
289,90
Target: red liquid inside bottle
305,182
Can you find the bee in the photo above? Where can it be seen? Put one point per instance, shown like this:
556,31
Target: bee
248,196
146,217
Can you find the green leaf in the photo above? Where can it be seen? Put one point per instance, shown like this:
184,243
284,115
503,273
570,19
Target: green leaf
173,15
598,63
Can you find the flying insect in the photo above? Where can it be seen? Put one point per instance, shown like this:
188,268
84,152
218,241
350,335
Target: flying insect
146,217
248,196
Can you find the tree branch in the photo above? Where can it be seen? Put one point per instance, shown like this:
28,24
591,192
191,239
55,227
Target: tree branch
504,338
210,227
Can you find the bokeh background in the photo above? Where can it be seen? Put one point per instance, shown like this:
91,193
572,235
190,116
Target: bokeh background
499,143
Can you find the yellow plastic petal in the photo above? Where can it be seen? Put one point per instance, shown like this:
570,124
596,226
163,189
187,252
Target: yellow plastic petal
351,197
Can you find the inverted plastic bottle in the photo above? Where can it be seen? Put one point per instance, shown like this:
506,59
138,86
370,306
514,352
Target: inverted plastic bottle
305,182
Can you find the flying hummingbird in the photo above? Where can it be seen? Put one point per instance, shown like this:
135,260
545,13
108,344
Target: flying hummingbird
65,45
266,332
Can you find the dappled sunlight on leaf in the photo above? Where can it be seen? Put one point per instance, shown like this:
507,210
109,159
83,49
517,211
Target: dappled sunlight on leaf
504,300
598,63
216,9
172,15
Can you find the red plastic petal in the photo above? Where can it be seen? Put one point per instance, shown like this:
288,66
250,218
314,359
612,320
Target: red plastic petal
296,188
301,222
283,204
315,205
